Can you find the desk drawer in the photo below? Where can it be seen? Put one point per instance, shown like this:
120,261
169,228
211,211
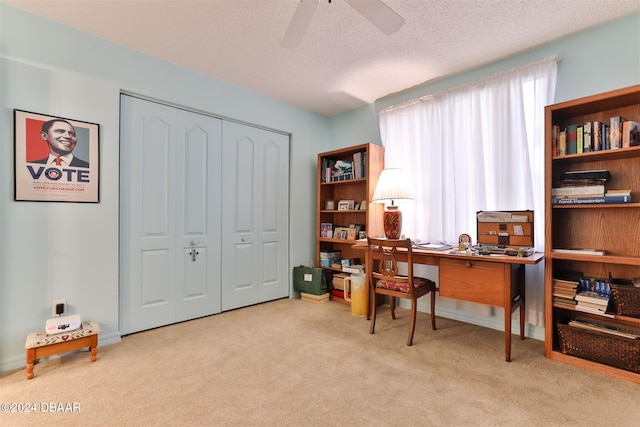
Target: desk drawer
475,281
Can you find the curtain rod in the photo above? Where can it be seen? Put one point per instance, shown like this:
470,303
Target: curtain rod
471,84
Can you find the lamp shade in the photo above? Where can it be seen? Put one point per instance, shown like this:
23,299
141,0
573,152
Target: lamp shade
392,185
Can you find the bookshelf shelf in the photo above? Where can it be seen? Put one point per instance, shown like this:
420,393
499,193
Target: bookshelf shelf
603,259
358,190
345,182
625,320
620,153
612,227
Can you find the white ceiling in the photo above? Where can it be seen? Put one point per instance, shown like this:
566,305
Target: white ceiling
344,62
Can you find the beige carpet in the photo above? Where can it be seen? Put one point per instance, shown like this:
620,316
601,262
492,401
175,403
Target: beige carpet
294,363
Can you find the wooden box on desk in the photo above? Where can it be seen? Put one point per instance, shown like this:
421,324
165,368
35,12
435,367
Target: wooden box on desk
514,233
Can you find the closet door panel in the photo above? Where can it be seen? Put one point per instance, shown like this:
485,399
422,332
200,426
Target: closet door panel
239,215
198,215
148,222
273,216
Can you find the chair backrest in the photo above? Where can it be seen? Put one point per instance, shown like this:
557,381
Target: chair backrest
384,257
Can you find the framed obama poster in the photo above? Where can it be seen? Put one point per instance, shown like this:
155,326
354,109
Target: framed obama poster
56,159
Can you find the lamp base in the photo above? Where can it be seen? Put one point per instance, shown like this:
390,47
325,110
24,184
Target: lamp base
392,220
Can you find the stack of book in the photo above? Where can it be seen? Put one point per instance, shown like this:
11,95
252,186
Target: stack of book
564,292
592,302
594,296
586,187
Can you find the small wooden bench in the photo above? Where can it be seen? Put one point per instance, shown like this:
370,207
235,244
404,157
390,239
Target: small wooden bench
40,345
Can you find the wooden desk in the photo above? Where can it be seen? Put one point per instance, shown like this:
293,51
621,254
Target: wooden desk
495,280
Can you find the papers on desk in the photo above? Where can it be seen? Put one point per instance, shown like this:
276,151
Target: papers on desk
495,216
433,246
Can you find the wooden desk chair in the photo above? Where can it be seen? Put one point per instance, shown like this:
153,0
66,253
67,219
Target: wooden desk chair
385,280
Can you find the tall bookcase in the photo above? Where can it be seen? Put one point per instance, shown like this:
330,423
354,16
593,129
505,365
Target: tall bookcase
612,227
357,189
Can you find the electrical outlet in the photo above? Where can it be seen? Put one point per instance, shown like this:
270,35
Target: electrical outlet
59,308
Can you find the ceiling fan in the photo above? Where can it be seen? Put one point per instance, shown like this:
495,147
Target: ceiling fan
376,11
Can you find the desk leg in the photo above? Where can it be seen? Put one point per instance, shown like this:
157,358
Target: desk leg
507,333
522,291
31,358
508,309
513,290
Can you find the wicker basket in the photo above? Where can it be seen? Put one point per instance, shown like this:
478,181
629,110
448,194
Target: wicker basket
601,347
626,299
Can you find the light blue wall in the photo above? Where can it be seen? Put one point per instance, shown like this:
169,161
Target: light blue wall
593,61
50,251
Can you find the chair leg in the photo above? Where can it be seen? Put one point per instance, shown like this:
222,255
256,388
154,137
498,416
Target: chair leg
392,306
433,310
373,315
412,327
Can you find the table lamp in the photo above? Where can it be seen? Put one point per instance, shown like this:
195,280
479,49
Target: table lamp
392,185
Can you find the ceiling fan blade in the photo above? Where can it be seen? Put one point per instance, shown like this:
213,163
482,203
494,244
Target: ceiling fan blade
380,15
299,23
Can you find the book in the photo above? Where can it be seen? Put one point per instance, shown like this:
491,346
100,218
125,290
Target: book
353,269
630,134
572,139
586,137
595,174
594,311
562,143
357,165
601,307
570,284
578,251
615,132
578,190
580,142
613,198
604,130
596,135
611,192
555,132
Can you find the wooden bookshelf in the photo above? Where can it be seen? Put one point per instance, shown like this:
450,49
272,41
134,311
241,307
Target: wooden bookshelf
612,227
357,189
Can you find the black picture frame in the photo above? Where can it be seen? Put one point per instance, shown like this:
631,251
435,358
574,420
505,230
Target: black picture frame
56,159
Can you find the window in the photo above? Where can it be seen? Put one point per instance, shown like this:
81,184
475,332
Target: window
475,147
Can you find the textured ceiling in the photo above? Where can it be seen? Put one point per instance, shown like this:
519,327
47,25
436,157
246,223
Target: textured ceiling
344,62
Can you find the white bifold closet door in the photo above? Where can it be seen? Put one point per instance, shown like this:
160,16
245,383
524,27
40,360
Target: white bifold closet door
204,215
170,214
255,215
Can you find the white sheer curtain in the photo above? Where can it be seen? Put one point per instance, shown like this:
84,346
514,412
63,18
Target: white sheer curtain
475,147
